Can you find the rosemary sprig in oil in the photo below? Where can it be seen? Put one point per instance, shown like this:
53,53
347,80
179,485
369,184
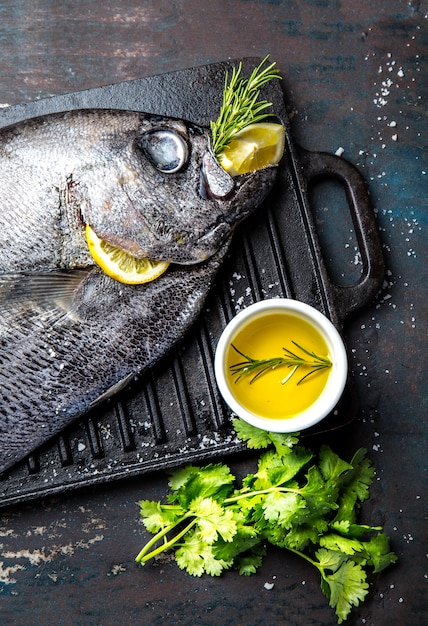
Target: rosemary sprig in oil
290,359
241,106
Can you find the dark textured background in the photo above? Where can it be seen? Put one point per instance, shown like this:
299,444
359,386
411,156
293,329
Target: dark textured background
354,79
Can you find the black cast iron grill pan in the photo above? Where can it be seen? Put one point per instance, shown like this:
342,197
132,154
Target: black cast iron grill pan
174,414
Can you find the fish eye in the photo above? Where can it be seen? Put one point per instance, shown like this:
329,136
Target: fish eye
165,149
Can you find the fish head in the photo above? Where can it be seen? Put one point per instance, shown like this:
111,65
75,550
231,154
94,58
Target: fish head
165,195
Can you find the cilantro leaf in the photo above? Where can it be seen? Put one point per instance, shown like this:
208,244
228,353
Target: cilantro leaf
280,508
249,562
180,476
197,557
361,477
299,536
331,465
204,482
355,486
342,526
341,544
378,552
357,531
213,520
275,470
345,587
256,438
246,540
330,559
253,437
156,517
320,495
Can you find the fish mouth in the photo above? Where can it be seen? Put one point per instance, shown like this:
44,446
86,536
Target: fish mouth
215,184
129,246
202,248
157,239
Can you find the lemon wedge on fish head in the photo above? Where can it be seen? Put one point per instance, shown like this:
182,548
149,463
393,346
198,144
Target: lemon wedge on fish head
253,148
121,265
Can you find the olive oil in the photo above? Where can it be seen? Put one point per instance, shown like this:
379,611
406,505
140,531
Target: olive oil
267,395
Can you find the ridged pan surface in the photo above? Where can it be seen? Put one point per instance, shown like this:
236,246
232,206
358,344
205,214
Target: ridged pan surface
174,414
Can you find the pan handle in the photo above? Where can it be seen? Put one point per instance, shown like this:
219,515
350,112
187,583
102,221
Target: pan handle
325,165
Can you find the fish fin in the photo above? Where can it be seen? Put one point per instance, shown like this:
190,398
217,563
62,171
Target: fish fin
43,298
113,390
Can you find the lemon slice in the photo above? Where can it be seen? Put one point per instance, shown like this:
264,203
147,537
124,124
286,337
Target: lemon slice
253,148
120,265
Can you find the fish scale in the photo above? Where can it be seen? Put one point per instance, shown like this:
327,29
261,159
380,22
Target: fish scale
70,335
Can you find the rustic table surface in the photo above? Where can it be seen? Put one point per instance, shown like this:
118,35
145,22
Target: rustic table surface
354,79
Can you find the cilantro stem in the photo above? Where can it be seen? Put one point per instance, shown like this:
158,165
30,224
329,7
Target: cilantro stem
307,558
261,492
143,557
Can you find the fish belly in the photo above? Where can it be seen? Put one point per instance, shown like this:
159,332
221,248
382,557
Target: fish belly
52,374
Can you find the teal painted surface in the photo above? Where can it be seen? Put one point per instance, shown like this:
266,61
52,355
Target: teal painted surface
354,79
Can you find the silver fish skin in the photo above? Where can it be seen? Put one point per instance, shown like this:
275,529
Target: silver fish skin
63,171
71,336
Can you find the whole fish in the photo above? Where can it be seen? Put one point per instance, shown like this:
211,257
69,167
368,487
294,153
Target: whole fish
70,335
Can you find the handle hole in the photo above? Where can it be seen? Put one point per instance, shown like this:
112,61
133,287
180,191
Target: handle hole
335,230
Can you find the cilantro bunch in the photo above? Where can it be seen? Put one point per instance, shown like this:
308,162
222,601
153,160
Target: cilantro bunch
305,504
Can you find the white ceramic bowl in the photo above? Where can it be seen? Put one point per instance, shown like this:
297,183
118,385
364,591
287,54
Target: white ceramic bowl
331,393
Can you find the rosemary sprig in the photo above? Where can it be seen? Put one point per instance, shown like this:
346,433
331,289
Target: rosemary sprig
290,359
240,106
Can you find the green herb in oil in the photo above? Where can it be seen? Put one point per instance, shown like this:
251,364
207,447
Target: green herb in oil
257,367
